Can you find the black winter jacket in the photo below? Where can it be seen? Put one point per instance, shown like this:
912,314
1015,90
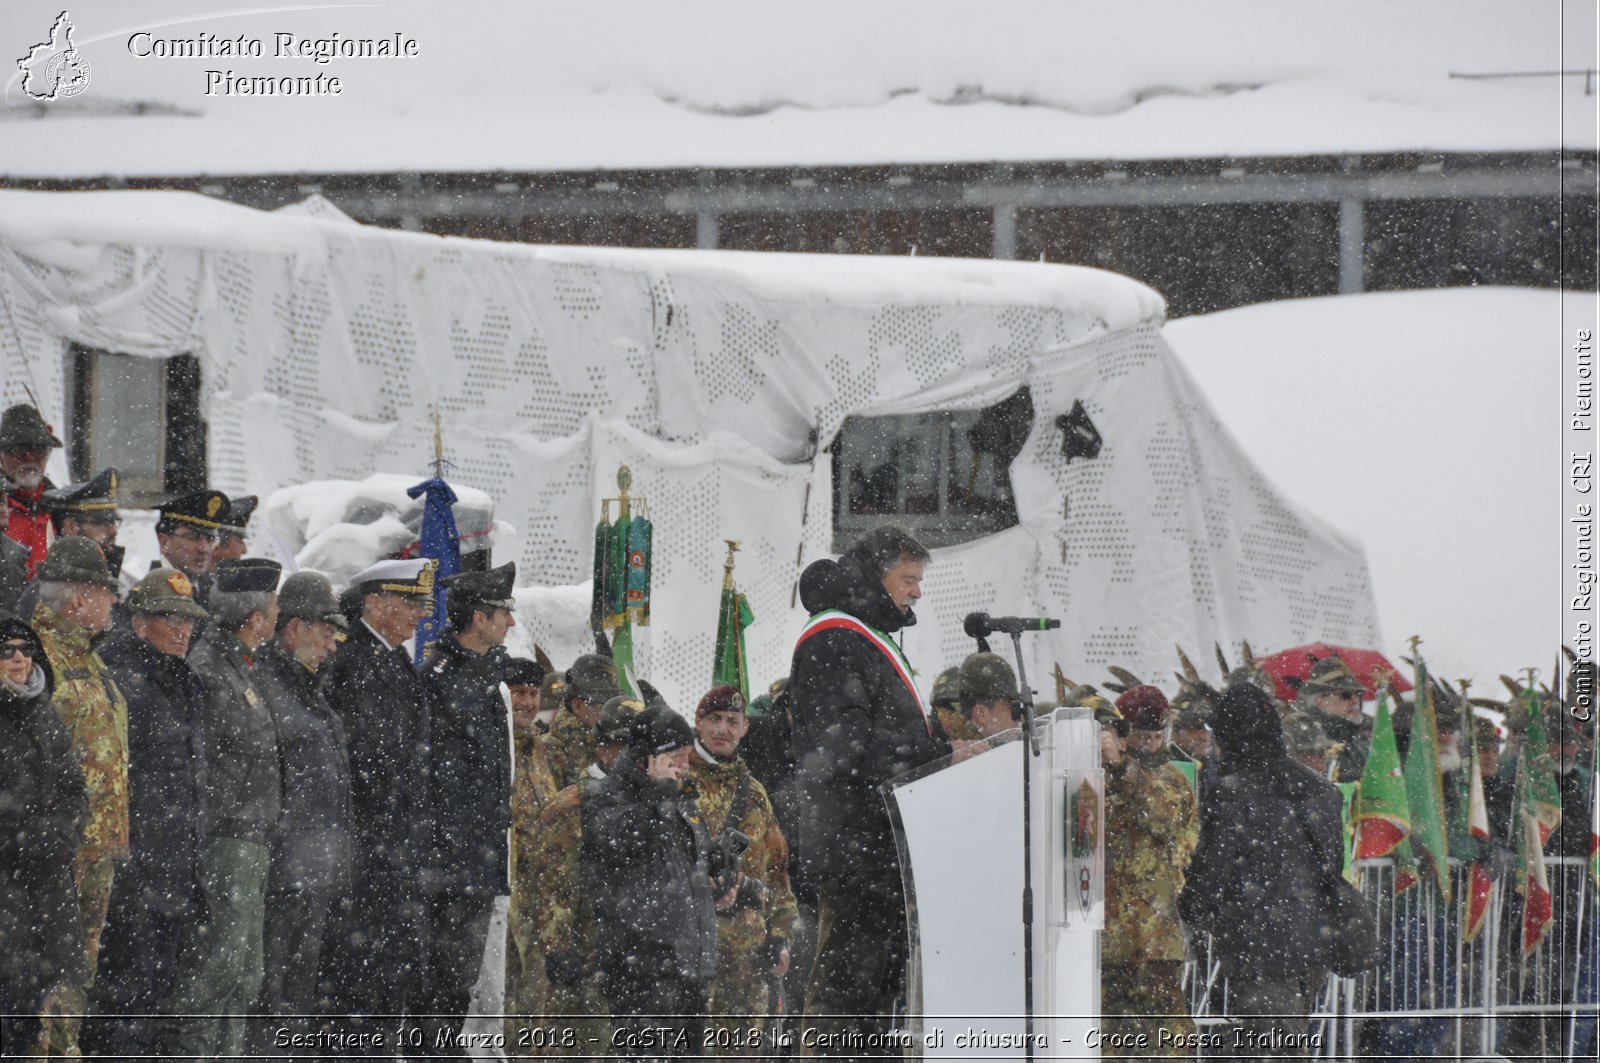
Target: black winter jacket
167,812
43,809
311,846
244,790
471,764
855,725
383,704
1270,843
645,862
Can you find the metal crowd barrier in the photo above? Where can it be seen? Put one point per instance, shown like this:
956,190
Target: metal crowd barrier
1434,992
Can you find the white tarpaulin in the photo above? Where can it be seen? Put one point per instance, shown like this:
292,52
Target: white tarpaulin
720,378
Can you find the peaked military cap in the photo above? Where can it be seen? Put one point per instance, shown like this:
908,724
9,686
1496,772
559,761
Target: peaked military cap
521,672
492,588
986,676
203,510
165,592
96,496
1331,675
248,574
22,427
616,720
593,678
74,559
309,596
413,577
238,513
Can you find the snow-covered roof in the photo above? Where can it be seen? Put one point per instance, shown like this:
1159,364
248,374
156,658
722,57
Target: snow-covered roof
1428,425
502,86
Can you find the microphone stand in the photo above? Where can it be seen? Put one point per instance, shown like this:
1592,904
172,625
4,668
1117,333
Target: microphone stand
1030,750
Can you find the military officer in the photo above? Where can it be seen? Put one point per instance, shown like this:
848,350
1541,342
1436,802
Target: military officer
76,594
375,945
89,509
531,787
554,898
569,747
220,967
753,932
471,776
1151,830
989,693
186,531
523,681
230,545
1332,697
946,702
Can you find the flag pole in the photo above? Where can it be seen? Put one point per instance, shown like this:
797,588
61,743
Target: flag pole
438,445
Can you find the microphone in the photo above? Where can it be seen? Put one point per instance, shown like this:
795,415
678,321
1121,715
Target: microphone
979,625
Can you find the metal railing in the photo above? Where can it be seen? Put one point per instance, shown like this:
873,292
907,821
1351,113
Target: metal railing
1436,990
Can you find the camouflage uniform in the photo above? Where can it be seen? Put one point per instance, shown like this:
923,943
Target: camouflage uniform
1151,830
563,924
531,789
96,716
568,748
739,989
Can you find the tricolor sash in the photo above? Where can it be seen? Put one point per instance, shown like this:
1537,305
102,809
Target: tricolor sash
830,619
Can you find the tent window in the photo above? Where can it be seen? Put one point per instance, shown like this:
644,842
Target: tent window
141,415
945,476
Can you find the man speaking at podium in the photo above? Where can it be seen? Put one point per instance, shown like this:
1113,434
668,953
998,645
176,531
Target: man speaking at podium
858,722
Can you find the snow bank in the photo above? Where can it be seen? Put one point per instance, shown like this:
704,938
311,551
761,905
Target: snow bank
1428,424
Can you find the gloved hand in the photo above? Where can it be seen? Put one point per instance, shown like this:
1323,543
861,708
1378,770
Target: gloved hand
563,968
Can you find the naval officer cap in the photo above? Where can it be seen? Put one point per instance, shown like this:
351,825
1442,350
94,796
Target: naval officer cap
237,513
491,588
96,497
411,577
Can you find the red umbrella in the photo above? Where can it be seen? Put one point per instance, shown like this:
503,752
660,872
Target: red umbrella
1295,664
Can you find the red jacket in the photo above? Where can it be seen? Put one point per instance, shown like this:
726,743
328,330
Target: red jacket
30,522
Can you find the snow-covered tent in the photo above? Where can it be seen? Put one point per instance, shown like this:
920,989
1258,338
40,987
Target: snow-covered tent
720,378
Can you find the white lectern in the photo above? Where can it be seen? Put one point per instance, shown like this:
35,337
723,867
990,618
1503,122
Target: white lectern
960,832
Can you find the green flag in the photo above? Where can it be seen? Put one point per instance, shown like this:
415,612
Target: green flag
1382,816
1424,787
733,616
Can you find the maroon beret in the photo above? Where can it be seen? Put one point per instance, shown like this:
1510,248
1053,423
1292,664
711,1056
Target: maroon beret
720,699
1144,707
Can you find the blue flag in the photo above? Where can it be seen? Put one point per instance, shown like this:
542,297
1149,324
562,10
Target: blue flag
441,542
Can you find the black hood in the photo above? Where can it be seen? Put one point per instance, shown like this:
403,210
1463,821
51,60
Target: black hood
849,584
1247,727
12,628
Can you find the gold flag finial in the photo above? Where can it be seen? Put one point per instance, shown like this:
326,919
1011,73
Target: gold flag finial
1414,641
1532,674
624,479
727,564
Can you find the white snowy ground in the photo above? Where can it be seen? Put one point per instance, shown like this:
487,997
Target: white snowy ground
1428,425
567,84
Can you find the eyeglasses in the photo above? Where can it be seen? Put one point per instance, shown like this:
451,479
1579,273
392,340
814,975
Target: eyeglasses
11,649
